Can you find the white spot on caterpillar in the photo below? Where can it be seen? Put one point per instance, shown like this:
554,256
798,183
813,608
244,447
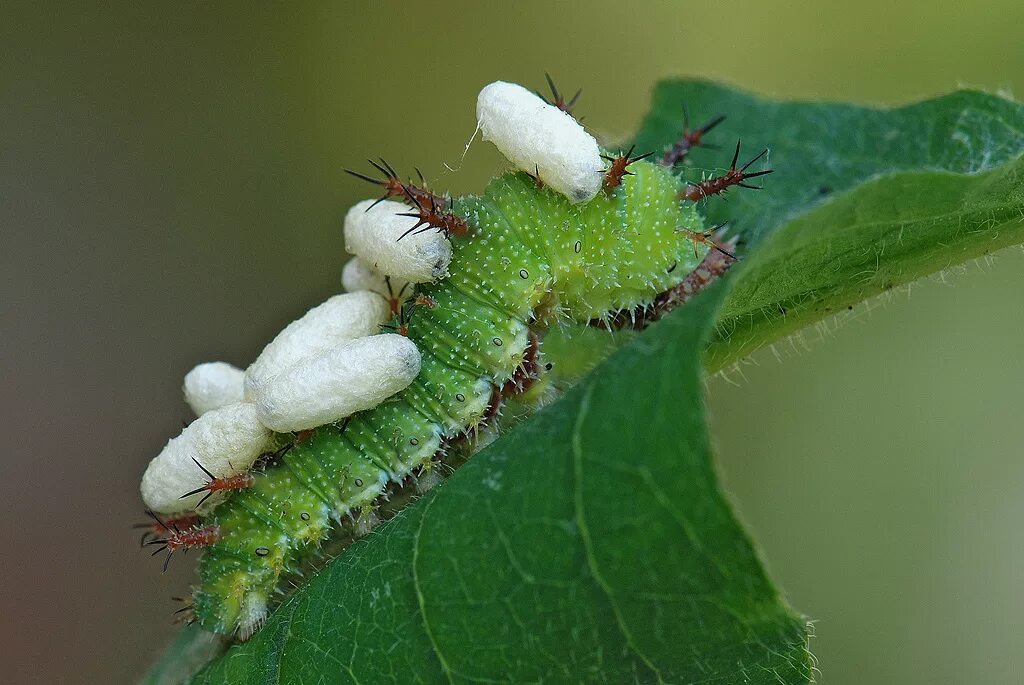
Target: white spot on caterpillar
340,318
358,275
538,137
375,236
226,441
213,385
347,378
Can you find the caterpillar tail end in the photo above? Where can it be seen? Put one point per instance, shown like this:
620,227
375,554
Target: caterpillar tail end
253,615
235,606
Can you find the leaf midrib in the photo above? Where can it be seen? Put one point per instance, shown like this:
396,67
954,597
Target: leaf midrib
588,545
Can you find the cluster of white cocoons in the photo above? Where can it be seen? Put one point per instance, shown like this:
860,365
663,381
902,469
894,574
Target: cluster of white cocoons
340,318
347,378
213,385
226,441
321,368
540,138
328,364
374,233
333,362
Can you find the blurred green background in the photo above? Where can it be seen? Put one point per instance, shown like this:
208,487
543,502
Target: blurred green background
172,191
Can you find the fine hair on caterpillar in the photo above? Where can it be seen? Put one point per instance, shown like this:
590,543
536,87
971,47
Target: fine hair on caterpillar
735,176
618,167
238,481
367,398
557,100
680,150
429,214
394,187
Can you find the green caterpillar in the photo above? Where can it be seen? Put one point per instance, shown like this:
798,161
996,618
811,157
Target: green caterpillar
530,259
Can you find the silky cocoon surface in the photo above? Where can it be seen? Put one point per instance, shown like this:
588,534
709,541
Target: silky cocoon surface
226,441
540,138
374,233
349,377
340,318
358,275
213,385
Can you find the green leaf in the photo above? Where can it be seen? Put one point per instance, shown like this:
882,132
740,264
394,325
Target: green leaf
590,545
862,199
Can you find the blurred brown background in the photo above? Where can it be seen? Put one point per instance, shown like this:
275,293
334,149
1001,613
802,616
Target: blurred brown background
171,192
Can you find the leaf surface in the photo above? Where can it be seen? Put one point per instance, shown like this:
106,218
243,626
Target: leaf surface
862,199
592,543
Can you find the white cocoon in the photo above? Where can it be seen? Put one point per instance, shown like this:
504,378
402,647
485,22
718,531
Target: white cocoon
540,138
349,377
373,236
340,318
226,441
213,385
358,275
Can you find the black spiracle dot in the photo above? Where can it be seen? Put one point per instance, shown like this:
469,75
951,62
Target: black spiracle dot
673,267
262,551
524,274
548,366
460,397
359,482
304,516
497,341
413,441
577,247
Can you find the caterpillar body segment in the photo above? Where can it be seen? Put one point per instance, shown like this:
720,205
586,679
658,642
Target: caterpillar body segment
532,259
614,252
